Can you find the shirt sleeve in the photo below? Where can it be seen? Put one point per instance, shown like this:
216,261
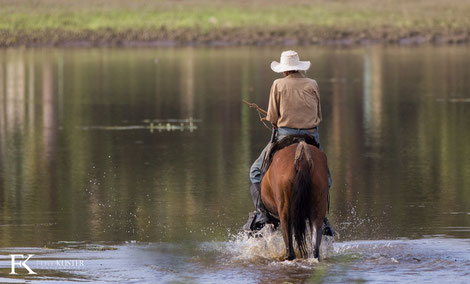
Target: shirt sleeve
273,107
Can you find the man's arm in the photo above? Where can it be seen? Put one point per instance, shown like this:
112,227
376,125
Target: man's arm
317,91
273,106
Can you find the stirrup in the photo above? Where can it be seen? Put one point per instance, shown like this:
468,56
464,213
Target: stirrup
248,227
256,221
260,220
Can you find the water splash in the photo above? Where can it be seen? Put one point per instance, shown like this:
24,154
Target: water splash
268,245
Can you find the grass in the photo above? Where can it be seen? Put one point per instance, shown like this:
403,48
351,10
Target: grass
204,15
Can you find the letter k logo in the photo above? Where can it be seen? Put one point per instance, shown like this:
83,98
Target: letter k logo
14,263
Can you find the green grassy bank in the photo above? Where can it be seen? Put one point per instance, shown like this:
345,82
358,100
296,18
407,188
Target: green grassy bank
120,22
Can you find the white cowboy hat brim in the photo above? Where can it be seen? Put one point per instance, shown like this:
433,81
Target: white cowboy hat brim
279,68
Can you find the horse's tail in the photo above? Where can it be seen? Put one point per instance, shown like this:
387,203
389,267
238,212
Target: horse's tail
301,202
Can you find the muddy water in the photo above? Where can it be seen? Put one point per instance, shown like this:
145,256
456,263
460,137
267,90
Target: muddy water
120,165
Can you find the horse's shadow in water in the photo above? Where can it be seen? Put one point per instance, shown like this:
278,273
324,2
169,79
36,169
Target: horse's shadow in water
295,188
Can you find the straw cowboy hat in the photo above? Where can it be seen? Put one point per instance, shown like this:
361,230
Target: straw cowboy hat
289,62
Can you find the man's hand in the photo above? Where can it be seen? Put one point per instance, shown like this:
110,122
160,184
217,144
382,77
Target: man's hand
263,119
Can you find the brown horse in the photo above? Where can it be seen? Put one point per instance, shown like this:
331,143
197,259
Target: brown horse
295,188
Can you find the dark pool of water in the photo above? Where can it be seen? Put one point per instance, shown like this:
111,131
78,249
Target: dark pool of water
148,151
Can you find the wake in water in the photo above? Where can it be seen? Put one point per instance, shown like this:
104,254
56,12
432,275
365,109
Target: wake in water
267,244
419,261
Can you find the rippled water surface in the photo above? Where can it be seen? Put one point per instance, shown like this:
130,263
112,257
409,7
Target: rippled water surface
135,161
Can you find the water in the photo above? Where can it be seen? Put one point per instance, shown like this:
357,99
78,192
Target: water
135,161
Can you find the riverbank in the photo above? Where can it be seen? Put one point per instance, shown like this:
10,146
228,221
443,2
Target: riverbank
262,22
225,37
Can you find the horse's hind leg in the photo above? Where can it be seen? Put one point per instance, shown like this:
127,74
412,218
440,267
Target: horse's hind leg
287,236
316,240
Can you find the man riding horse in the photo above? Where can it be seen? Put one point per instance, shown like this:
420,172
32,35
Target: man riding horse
294,108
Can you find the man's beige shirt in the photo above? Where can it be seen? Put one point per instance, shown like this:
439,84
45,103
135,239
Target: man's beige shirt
294,102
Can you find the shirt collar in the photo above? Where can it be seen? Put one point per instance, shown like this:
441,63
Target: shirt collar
296,75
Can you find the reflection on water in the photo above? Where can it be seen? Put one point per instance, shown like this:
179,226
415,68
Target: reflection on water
395,131
189,124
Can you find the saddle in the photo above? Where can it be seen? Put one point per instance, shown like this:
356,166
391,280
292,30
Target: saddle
275,146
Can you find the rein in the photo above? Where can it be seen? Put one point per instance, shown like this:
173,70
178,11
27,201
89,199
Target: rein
260,113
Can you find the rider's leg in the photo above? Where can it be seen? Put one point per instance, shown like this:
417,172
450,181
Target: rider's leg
255,170
257,219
